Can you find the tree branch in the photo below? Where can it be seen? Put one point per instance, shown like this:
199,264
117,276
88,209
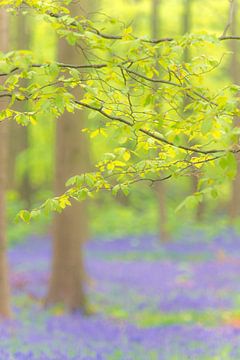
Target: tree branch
152,134
97,32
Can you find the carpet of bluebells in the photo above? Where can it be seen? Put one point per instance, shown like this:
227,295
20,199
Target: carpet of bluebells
149,301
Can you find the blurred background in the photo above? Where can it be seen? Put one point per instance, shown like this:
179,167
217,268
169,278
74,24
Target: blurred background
147,210
159,289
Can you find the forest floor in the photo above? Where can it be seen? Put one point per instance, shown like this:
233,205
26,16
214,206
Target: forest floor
175,301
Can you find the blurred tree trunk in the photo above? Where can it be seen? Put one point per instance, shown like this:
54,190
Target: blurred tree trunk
234,208
4,281
186,24
186,28
70,227
18,142
161,187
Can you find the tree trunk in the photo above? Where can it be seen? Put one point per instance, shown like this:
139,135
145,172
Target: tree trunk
70,227
4,281
234,208
18,142
161,188
186,28
162,211
186,24
200,206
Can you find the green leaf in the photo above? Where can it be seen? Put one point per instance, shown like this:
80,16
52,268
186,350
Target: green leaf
206,126
25,216
125,189
115,189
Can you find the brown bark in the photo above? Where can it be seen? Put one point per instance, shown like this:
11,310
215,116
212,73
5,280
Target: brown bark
70,227
234,208
200,210
186,25
5,310
161,188
18,142
186,28
162,210
155,21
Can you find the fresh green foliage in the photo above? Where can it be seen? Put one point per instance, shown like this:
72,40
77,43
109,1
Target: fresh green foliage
164,119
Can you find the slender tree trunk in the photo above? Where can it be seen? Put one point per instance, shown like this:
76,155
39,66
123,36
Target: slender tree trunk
155,18
18,142
234,208
70,227
186,28
4,281
163,218
200,206
161,188
186,24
